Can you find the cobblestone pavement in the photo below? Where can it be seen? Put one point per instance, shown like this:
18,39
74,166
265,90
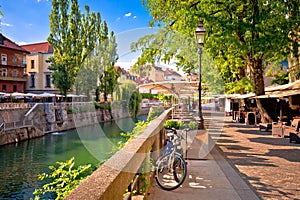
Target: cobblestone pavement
271,165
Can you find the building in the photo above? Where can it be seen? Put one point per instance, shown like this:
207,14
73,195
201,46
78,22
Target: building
12,66
157,74
172,75
39,77
125,75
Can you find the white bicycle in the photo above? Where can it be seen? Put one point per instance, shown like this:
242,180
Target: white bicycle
171,167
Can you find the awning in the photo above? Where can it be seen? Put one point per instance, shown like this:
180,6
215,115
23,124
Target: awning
19,94
279,94
289,86
172,87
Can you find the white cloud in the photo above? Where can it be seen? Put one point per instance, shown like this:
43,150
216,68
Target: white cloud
134,17
127,61
6,24
128,14
21,43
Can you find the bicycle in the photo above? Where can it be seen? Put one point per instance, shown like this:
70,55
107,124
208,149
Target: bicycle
171,167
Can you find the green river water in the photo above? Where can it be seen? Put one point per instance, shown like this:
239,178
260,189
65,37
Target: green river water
21,163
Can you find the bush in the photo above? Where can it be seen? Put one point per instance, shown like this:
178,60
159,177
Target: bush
102,106
71,111
192,125
64,179
174,124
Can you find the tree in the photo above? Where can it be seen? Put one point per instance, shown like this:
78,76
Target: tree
109,77
294,62
241,35
73,36
123,93
97,72
135,103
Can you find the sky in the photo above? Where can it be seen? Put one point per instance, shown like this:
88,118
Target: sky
27,21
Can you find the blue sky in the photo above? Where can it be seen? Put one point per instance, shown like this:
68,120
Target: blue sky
27,21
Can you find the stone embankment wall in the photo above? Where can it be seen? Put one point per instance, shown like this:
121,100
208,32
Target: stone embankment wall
46,118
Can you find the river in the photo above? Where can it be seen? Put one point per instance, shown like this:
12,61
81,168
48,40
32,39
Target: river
21,163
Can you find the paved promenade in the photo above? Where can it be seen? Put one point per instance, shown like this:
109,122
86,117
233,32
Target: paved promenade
241,163
270,164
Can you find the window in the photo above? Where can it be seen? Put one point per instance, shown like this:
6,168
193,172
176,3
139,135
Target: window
24,60
48,81
3,72
15,73
32,80
4,88
14,59
14,88
3,59
32,64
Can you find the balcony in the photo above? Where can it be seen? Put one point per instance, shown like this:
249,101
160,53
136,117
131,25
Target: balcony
10,78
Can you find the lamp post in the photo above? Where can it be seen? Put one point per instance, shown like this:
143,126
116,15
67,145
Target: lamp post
200,36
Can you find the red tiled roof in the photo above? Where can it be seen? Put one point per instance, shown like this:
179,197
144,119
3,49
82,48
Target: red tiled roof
7,43
42,47
172,72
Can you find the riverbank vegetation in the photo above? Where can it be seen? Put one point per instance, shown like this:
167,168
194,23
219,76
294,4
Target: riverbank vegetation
192,125
64,176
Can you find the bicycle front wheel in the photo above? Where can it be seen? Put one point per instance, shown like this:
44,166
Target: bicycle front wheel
170,176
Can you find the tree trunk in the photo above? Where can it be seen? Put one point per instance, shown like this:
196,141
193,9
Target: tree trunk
256,67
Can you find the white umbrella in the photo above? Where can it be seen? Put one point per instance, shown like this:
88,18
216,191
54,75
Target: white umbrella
46,94
19,94
72,95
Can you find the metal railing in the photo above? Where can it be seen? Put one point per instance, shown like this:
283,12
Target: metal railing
15,105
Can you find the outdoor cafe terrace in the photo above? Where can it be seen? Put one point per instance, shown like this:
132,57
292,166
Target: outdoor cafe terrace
17,99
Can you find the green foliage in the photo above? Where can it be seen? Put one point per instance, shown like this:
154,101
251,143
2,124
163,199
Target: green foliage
71,111
174,124
102,106
192,125
281,78
98,73
145,172
109,77
242,86
241,35
135,103
65,177
154,112
129,99
149,96
73,36
125,89
163,97
128,136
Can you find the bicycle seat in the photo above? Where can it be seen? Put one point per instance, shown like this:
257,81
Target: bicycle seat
170,134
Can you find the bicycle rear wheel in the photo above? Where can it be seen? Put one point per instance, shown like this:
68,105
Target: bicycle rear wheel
170,177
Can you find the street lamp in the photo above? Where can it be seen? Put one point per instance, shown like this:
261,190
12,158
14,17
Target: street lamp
200,36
